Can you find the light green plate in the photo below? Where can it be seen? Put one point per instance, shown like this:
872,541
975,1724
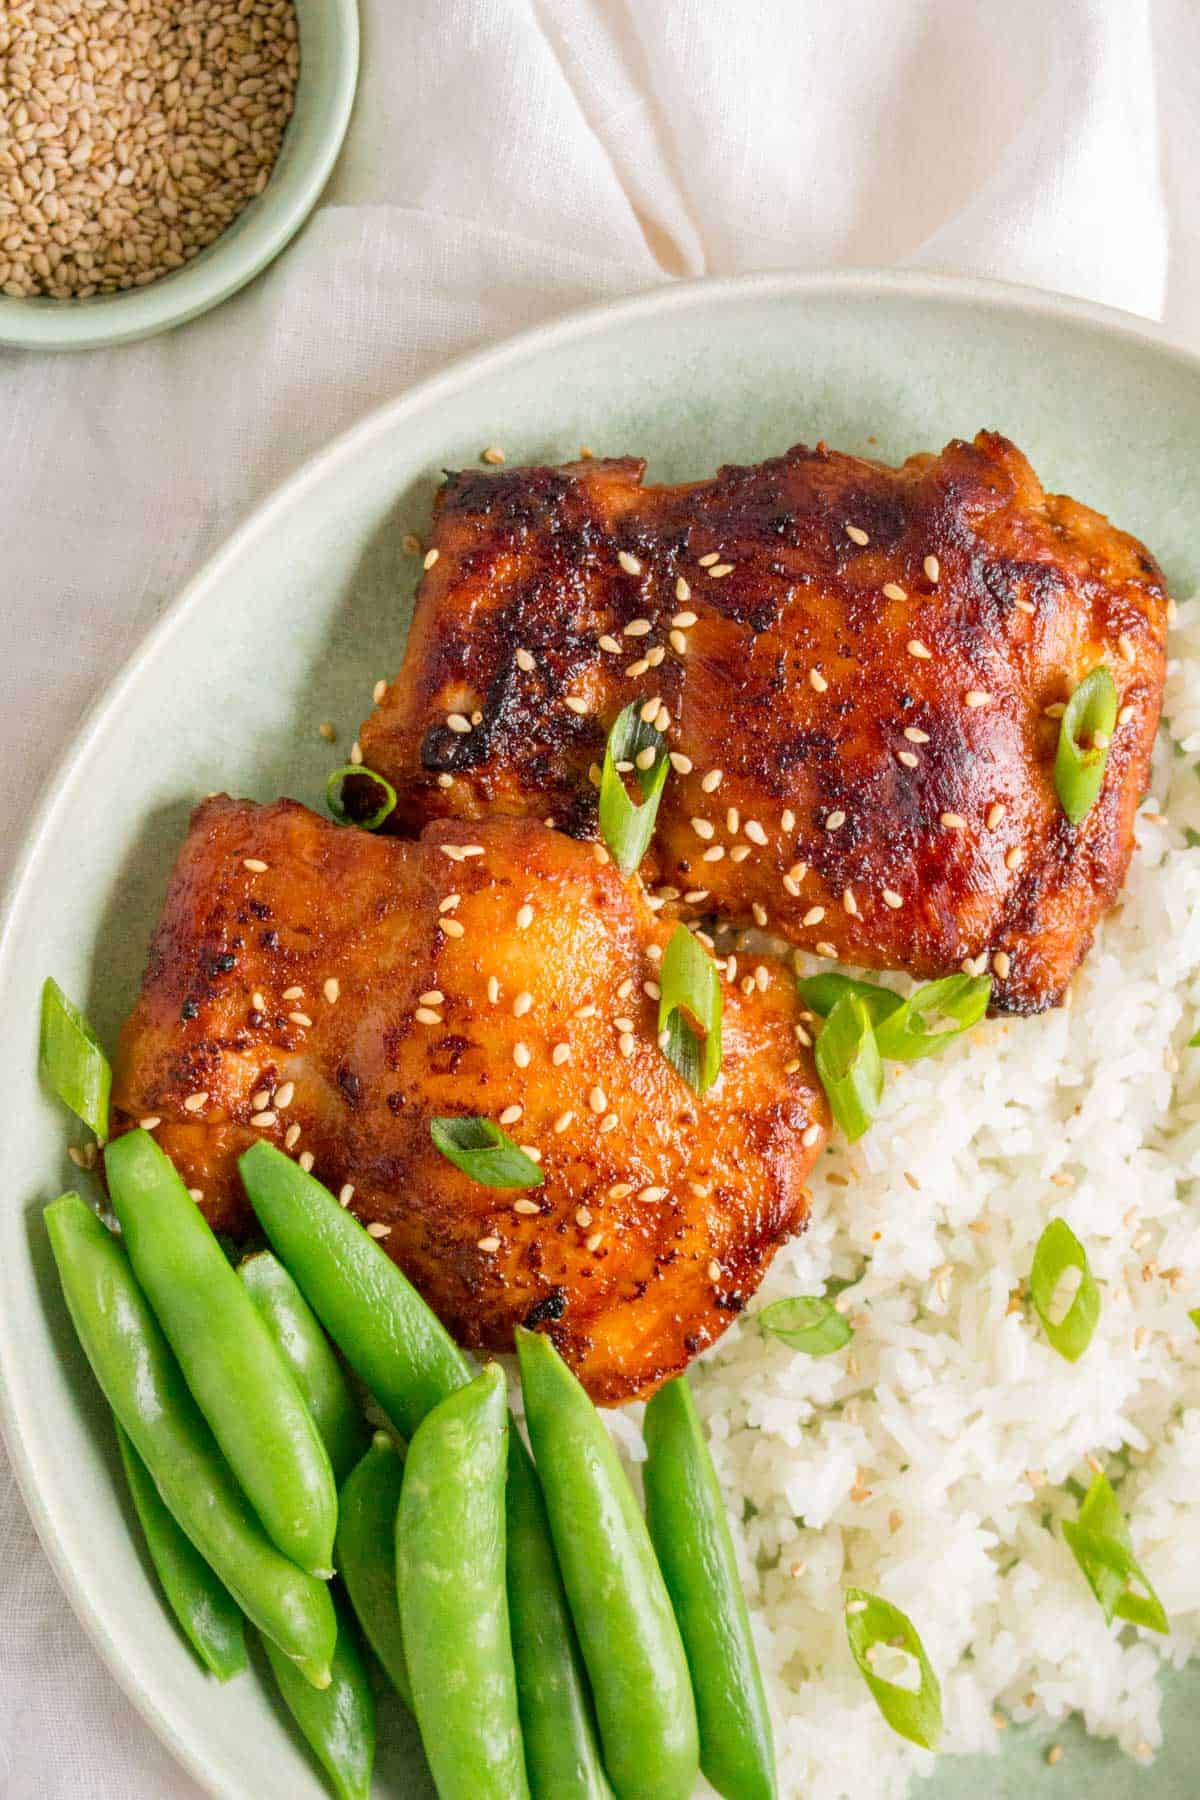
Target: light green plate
294,622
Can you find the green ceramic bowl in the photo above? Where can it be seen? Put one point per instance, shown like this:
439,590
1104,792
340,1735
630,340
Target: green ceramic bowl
324,98
294,621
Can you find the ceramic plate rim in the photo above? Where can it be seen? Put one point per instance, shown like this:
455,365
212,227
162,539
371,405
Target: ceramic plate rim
22,1433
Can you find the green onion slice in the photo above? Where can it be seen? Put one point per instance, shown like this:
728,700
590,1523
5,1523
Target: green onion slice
807,1323
1058,1249
1099,1540
625,826
821,993
72,1061
874,1627
1079,761
849,1065
689,1010
908,1032
356,795
485,1153
1194,1316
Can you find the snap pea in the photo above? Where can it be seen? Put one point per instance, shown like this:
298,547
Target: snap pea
146,1390
619,1601
558,1722
379,1322
365,1552
207,1615
338,1721
450,1541
229,1359
686,1516
306,1350
400,1350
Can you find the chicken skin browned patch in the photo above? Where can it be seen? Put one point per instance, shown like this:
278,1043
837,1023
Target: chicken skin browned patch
333,992
859,671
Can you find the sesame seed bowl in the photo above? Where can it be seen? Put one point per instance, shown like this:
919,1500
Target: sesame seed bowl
128,207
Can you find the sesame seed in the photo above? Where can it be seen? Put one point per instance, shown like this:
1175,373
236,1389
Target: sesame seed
560,1054
1055,710
452,927
1025,606
525,661
600,854
356,755
714,853
813,916
487,1245
379,690
328,730
663,719
638,628
598,1100
255,865
678,642
258,1002
425,1015
583,1218
526,1206
850,903
444,780
511,1114
976,697
733,818
792,886
284,1095
292,1137
260,1101
1054,1754
637,669
620,1190
953,821
622,1024
595,1241
835,820
346,1193
458,722
645,758
893,591
493,989
648,712
585,1012
915,735
681,764
1125,646
714,1270
706,562
610,644
1002,963
629,562
683,592
932,568
755,832
196,1194
703,828
908,758
857,535
790,1068
293,993
493,454
759,911
306,1160
575,704
720,570
1126,713
196,1102
149,1123
817,681
810,1136
522,1004
761,977
563,1121
798,871
921,651
893,899
739,853
521,1055
651,1194
524,917
431,557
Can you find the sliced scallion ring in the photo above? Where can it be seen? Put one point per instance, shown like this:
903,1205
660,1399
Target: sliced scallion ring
1194,1316
72,1061
485,1153
356,795
625,826
689,1010
878,1631
1058,1249
1080,761
907,1033
1099,1541
849,1065
821,993
807,1323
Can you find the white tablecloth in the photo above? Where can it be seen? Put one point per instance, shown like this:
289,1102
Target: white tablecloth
508,160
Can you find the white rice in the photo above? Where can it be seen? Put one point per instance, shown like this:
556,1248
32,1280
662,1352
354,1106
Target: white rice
902,1464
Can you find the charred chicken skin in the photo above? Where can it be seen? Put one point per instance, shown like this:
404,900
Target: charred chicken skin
334,991
859,672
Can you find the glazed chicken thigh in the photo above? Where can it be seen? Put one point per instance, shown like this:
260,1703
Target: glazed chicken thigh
859,672
333,992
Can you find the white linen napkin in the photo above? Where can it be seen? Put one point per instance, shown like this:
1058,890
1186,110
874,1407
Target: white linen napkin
509,160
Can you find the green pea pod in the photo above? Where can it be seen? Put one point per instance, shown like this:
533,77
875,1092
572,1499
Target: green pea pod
207,1615
229,1359
379,1322
339,1721
400,1350
307,1352
450,1542
558,1721
146,1390
619,1601
366,1554
686,1516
